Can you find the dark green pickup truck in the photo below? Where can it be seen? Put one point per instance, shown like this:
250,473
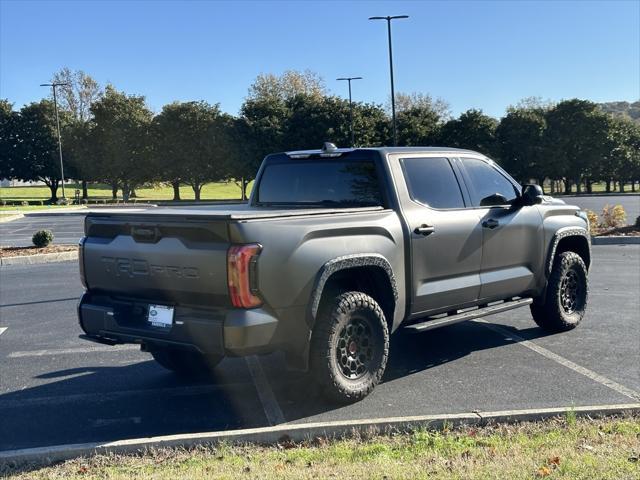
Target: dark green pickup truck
336,250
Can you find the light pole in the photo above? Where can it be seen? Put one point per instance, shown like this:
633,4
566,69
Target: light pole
348,79
393,97
55,107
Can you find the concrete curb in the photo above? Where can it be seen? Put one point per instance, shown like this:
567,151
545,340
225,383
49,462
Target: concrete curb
300,432
41,258
7,217
615,240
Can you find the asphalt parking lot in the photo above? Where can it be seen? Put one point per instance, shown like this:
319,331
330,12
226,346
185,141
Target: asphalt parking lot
58,389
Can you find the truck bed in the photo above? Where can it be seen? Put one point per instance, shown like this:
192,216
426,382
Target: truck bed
240,211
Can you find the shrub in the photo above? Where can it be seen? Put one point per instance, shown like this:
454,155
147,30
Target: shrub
84,201
3,203
38,202
62,201
613,216
24,203
42,238
593,220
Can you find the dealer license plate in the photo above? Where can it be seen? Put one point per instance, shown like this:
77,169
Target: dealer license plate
160,316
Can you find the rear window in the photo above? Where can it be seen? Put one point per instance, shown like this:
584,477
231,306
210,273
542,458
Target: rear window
432,182
320,182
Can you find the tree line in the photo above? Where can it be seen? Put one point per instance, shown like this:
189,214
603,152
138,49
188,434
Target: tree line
114,138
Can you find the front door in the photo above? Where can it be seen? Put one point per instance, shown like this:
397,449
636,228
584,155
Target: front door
512,237
446,237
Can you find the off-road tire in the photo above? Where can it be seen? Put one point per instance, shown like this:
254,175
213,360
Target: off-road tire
186,363
566,297
349,347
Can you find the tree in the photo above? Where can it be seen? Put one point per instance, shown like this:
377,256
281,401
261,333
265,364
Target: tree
576,140
37,156
419,118
120,138
8,139
267,108
622,160
287,85
371,125
473,130
244,154
519,143
78,92
192,144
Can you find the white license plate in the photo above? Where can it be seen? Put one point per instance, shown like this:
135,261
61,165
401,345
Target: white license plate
160,316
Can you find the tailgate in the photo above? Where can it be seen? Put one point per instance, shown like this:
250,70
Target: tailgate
161,258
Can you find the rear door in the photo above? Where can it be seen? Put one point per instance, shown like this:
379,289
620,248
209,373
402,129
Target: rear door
512,237
445,236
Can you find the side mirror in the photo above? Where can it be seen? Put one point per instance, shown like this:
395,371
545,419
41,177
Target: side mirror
494,200
532,194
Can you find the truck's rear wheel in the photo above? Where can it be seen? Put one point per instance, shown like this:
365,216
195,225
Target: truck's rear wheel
349,346
567,294
185,363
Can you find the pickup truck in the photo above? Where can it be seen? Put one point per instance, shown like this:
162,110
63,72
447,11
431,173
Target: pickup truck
335,250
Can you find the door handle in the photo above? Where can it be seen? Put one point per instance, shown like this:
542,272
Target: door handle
491,223
424,230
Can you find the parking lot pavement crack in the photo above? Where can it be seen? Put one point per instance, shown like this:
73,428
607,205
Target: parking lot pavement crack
596,377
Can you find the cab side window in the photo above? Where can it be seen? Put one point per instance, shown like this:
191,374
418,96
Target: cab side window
432,182
486,182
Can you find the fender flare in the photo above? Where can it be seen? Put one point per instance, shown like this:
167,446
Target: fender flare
344,263
560,235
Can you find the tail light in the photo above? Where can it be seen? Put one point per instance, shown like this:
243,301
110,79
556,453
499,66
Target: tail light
241,275
81,261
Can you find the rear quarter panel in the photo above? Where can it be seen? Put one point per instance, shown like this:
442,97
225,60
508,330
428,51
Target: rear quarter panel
295,250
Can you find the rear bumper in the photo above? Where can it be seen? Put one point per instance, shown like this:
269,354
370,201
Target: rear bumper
206,330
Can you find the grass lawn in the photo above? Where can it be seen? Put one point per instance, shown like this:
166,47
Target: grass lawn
211,191
557,449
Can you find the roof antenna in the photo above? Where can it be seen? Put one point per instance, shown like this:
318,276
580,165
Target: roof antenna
328,146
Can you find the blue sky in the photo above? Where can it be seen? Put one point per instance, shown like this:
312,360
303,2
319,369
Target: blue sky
473,54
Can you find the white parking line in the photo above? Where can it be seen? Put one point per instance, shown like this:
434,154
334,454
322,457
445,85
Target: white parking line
267,398
3,329
67,351
596,377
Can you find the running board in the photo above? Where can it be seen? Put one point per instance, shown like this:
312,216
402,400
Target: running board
468,315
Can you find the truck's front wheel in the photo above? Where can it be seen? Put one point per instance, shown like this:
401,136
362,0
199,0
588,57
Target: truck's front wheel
349,346
566,297
185,363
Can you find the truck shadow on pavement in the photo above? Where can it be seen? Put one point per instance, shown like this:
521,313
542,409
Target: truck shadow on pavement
101,403
414,360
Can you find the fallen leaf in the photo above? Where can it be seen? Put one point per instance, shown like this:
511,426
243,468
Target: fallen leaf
554,461
544,472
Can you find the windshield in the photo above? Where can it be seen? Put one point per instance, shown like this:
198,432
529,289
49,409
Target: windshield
323,183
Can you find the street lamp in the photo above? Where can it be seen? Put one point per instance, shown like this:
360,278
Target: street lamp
55,106
348,79
393,98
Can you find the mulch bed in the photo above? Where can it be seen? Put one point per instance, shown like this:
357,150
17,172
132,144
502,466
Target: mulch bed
627,231
25,251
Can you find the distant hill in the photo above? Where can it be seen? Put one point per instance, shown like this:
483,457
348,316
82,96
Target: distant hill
623,109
